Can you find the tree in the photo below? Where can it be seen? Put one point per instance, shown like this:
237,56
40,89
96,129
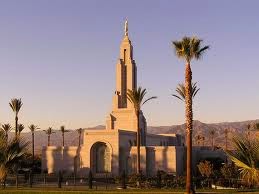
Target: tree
11,153
33,128
189,48
16,105
212,135
79,131
20,128
136,97
49,131
246,158
63,131
6,128
181,91
205,168
198,139
229,171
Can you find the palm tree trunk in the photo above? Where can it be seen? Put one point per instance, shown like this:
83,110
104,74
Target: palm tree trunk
63,139
32,148
16,125
138,144
79,140
48,140
188,117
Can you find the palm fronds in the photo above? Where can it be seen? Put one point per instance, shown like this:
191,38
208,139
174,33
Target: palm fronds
246,158
136,97
189,48
181,91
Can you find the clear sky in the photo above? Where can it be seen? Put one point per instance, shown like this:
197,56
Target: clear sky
60,56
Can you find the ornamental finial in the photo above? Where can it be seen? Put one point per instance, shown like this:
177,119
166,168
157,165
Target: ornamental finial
126,28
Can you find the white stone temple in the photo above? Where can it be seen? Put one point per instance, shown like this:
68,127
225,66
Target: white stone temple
112,150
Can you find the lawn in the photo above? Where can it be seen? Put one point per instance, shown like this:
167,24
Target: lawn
127,191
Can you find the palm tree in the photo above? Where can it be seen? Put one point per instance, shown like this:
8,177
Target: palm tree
33,128
212,134
246,158
79,131
6,128
20,128
181,91
203,140
49,131
63,131
10,155
189,48
198,139
16,105
136,97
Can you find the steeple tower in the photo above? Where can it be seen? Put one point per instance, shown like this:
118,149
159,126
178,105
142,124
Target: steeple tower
126,71
123,115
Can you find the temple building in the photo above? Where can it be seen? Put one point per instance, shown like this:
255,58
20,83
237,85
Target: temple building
113,149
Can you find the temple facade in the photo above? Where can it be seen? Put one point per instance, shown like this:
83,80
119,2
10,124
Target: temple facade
113,149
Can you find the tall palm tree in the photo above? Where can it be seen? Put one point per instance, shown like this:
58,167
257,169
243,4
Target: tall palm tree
136,97
33,128
6,128
63,131
20,128
181,91
246,158
189,48
10,155
79,131
49,131
212,135
16,105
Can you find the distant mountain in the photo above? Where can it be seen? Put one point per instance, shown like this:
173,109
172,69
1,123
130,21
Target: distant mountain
199,128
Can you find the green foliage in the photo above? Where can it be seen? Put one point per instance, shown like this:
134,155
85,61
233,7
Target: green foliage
20,128
205,168
189,48
136,97
16,105
229,171
11,154
33,128
246,158
49,131
181,91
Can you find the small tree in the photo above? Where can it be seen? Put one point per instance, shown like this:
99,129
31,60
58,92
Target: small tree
6,128
206,169
20,129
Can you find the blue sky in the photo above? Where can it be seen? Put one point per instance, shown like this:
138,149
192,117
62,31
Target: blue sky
60,56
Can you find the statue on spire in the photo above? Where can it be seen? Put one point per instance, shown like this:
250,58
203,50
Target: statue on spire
126,28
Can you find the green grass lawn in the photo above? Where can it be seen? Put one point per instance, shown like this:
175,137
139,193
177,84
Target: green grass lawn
127,191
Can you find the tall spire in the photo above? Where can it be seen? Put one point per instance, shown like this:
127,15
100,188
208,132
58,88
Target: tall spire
126,28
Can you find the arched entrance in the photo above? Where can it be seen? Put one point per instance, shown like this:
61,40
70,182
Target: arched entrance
100,158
